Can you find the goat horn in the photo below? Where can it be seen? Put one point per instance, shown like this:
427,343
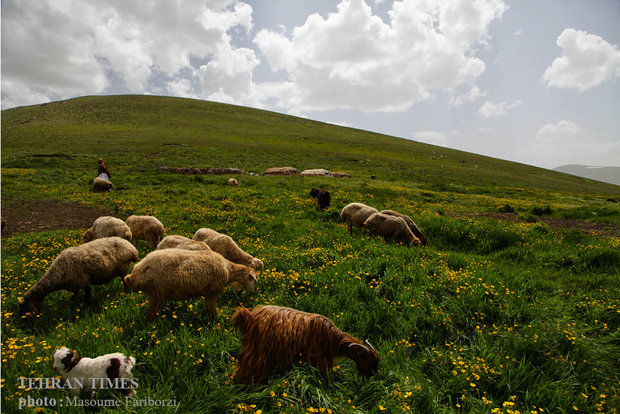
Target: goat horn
369,344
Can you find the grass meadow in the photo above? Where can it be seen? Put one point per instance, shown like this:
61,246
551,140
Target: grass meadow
491,316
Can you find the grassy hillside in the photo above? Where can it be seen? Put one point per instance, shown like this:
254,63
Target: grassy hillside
203,134
491,316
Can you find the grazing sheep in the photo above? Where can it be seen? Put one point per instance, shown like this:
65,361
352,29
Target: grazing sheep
146,228
324,198
355,214
232,182
100,184
410,223
107,226
227,247
181,242
317,172
281,171
175,274
276,336
88,374
94,263
391,226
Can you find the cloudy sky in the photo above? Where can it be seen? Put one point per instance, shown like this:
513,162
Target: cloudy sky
525,80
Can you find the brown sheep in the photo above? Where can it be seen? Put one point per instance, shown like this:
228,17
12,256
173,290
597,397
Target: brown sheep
323,197
176,274
146,228
227,247
391,226
94,263
181,242
107,226
277,336
410,223
355,214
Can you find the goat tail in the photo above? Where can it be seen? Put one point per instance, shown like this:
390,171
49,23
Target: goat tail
242,318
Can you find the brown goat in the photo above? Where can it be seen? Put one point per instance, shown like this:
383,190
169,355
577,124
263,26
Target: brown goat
277,336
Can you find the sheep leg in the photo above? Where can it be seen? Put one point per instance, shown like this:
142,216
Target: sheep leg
154,306
125,286
151,244
211,303
88,294
350,228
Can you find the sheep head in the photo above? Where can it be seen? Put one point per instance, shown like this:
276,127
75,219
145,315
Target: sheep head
314,192
29,306
64,360
366,358
243,277
88,235
256,264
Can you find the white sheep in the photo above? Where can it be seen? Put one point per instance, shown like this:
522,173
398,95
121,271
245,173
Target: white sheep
175,274
94,263
147,228
110,371
391,226
100,184
227,247
232,182
181,242
412,226
107,226
355,214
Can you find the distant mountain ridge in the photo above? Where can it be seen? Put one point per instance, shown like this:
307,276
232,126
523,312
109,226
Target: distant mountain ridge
605,174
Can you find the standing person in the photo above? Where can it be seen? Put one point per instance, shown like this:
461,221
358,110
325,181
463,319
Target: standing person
103,170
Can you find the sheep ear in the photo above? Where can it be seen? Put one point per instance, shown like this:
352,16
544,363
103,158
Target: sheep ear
357,348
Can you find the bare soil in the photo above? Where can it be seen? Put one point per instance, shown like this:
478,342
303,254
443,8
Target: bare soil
34,216
605,229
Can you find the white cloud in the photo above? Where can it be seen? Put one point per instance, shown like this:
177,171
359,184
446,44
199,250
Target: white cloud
55,50
473,95
492,110
587,61
352,59
558,132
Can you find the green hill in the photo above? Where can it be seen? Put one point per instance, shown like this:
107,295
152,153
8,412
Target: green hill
512,306
184,132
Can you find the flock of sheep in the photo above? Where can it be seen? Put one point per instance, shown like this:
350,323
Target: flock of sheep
178,268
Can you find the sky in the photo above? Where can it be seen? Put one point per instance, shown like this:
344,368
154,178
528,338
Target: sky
537,82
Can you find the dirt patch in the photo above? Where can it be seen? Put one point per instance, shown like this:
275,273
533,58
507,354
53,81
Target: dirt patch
34,216
585,226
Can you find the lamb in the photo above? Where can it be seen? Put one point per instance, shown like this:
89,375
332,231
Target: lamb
94,263
182,242
107,226
88,374
146,228
323,197
227,247
278,336
175,274
391,226
101,184
355,214
410,223
232,182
